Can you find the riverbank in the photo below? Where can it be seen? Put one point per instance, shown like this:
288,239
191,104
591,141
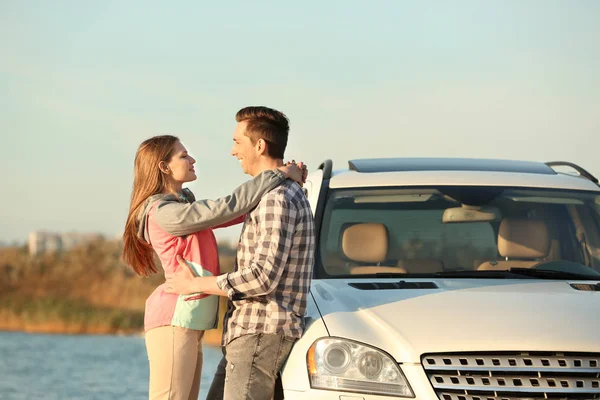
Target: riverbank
11,324
86,290
65,316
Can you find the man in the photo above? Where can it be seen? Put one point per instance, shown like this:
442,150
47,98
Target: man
269,287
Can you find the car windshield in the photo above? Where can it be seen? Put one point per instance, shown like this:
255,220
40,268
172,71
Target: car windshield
459,231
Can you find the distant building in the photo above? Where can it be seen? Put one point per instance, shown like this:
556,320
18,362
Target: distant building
50,242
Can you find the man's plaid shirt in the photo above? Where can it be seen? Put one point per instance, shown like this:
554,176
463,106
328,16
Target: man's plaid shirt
268,289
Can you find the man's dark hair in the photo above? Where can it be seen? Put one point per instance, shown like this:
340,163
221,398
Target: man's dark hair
268,124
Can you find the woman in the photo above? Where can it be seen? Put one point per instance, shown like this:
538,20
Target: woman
164,219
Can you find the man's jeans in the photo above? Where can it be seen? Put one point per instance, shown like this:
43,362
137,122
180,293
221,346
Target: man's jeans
249,367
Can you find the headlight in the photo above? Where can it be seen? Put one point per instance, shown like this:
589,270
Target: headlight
338,364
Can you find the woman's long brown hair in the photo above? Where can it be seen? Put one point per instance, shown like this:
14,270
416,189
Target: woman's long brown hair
148,180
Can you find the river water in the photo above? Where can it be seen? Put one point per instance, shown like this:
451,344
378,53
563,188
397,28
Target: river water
57,367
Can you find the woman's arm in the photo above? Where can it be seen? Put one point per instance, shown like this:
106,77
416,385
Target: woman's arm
180,219
235,221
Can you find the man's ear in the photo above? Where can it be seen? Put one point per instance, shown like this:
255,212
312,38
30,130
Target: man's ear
261,146
164,168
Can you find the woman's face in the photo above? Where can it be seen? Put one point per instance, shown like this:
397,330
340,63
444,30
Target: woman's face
181,165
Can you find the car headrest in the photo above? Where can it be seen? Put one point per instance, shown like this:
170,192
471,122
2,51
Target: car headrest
523,238
365,242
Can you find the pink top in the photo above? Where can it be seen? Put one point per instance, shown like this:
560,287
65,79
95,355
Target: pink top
164,309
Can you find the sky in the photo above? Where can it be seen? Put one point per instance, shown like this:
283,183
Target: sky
82,84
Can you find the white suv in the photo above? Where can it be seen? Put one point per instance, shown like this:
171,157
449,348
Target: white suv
457,279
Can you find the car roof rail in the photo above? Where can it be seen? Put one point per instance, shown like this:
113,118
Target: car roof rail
585,174
326,166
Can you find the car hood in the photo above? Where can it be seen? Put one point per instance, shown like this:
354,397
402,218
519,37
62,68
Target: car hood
462,315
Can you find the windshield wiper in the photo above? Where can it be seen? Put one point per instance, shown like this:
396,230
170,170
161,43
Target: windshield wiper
511,273
485,274
552,274
490,274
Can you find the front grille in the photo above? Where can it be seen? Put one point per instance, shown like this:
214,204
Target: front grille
514,376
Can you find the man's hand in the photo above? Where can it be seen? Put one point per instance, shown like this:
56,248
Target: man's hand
182,281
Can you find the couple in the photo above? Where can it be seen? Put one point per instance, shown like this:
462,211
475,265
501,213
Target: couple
269,287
